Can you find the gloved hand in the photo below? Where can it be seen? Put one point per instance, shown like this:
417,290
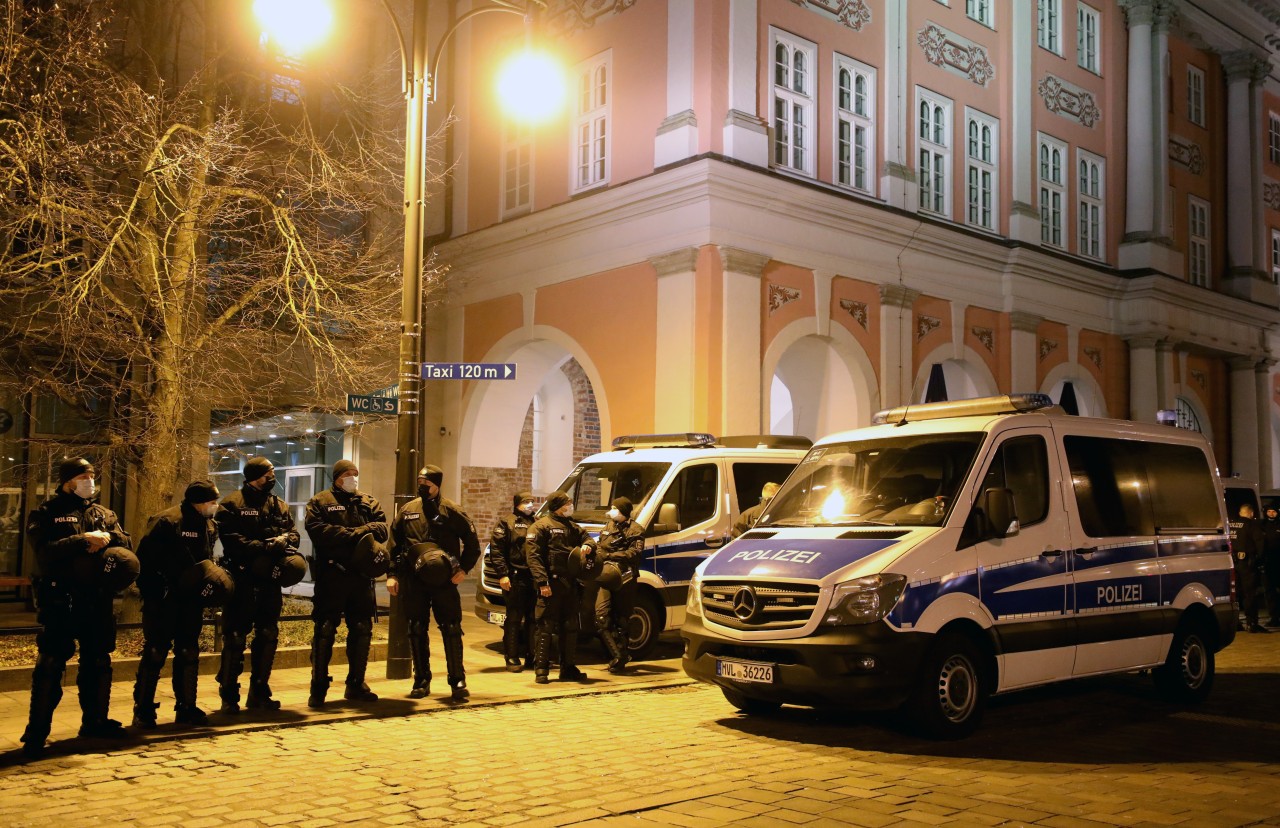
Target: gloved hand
278,544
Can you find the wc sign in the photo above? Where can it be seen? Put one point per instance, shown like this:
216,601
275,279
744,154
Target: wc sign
372,404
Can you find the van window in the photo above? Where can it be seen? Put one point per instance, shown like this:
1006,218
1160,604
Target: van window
693,493
592,486
1022,466
1237,496
1131,487
749,479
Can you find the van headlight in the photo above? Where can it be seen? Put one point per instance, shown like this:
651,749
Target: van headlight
693,603
864,600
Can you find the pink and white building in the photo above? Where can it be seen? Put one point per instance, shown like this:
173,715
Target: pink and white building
783,215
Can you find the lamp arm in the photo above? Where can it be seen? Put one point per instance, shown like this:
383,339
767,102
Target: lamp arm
406,80
499,6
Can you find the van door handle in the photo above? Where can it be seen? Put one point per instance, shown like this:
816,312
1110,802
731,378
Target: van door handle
718,540
1051,553
1084,551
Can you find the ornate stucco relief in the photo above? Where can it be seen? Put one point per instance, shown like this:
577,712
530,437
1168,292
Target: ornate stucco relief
955,53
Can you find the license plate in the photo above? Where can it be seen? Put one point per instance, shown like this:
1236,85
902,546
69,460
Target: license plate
498,618
745,671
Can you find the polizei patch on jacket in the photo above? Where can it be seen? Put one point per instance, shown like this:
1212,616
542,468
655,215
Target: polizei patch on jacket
66,519
794,558
336,508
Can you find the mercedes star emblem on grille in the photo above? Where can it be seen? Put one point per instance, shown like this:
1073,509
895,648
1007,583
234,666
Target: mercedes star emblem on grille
744,603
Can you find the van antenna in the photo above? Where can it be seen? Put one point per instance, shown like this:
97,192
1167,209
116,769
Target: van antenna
906,409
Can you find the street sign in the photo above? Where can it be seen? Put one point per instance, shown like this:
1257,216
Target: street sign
372,404
468,370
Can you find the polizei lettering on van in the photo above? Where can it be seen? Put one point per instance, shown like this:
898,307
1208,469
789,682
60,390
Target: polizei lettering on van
1120,594
770,559
798,555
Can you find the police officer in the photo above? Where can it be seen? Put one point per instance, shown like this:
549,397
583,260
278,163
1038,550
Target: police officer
1271,563
430,518
621,543
177,540
507,554
253,524
336,520
749,517
74,535
552,539
1246,547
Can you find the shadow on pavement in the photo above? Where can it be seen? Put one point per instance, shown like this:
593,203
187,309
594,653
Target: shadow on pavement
1108,721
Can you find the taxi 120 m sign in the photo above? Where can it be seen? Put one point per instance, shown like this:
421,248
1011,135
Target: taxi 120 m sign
468,370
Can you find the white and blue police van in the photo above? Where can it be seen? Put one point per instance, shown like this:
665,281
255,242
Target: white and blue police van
686,490
957,550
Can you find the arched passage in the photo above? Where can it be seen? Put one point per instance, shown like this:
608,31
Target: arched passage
527,433
817,384
1089,399
962,378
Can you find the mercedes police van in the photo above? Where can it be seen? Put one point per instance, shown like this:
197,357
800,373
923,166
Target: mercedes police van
686,490
960,549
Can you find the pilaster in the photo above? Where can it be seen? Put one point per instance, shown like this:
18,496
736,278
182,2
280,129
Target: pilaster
896,325
675,391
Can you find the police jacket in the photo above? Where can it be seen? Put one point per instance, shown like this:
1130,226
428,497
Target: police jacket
176,539
1271,538
1246,542
336,521
506,545
58,526
748,519
622,544
440,521
252,523
551,539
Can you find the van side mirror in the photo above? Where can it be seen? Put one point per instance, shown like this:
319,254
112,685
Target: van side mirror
999,513
668,519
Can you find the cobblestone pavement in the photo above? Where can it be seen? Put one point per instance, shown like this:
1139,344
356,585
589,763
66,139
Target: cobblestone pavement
1097,753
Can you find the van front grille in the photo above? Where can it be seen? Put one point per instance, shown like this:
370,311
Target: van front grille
759,605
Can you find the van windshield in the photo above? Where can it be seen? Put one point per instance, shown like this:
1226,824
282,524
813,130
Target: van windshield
907,481
592,486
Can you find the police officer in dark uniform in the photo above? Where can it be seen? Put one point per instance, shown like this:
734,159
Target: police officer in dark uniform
621,543
749,517
336,520
253,524
177,540
72,534
552,539
507,554
430,518
1246,548
1271,563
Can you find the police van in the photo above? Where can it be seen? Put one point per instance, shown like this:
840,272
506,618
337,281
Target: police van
956,550
686,490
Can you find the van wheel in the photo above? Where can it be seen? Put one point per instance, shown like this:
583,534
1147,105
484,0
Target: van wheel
746,704
951,696
645,625
1187,674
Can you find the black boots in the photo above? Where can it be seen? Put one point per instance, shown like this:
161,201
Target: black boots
321,653
262,656
420,655
452,637
359,639
144,686
229,672
46,692
618,657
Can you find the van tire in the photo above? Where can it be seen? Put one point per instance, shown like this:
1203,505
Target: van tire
949,700
1186,676
646,624
748,705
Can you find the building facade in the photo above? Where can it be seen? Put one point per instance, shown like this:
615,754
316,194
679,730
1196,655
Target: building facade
783,215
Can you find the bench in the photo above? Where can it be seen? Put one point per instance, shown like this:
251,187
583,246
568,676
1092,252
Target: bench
19,582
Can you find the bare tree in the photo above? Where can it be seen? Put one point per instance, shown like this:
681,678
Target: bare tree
180,229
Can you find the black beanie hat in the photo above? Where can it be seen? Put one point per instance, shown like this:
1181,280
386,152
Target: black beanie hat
342,467
433,473
255,468
623,505
201,491
73,467
521,497
556,500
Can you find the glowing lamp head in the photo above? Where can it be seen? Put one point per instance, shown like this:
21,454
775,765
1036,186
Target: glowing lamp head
531,87
294,25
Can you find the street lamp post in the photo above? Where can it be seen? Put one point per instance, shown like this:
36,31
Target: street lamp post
418,82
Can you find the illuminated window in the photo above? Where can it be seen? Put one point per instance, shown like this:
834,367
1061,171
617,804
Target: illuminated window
1053,190
1198,248
855,124
517,169
793,103
933,135
1089,208
982,157
1195,96
591,124
1049,25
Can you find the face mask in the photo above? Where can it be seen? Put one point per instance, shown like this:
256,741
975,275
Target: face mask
349,484
615,516
425,493
84,488
267,483
207,510
527,507
567,511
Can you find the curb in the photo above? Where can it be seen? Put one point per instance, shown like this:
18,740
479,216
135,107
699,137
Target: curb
19,678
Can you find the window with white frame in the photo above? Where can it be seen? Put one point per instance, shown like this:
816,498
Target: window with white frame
793,102
1275,256
1088,25
855,124
1049,25
517,168
591,123
1198,247
1053,190
981,11
1273,138
1195,96
933,133
1091,193
982,157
